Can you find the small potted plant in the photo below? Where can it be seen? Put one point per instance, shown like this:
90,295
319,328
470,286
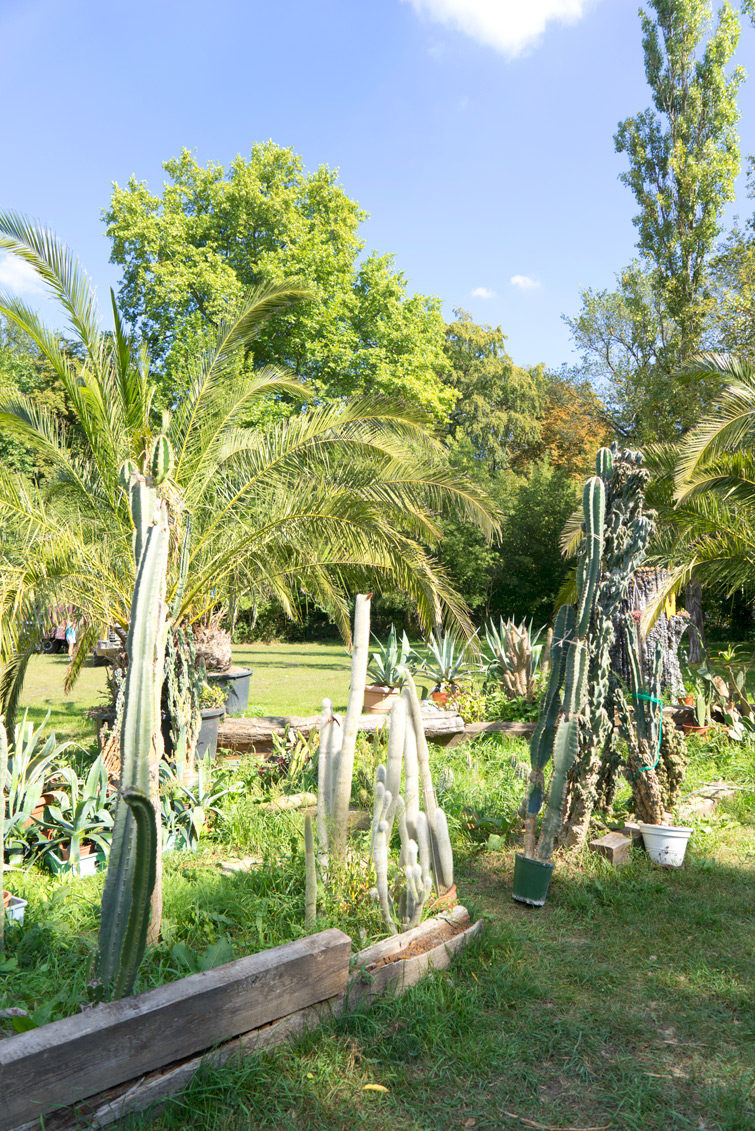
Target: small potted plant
387,669
78,829
212,705
213,647
446,665
701,710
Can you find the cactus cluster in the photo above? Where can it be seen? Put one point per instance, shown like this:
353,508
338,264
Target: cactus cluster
426,856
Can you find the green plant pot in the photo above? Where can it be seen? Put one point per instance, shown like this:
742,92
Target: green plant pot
531,880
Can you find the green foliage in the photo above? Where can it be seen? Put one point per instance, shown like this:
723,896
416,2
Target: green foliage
497,406
215,233
33,770
388,666
446,663
82,812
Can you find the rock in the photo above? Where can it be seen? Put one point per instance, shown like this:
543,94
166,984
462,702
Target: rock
614,846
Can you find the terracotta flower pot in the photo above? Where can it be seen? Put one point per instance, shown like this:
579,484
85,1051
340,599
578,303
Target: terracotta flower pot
6,898
379,700
439,697
688,701
690,728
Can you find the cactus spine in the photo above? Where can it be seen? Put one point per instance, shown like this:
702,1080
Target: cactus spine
132,875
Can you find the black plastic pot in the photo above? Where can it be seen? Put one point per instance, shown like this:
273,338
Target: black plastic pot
531,880
207,741
235,685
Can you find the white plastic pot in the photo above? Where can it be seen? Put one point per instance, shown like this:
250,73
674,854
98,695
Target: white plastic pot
15,909
666,844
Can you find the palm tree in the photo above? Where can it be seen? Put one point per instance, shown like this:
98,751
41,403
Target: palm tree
337,497
704,489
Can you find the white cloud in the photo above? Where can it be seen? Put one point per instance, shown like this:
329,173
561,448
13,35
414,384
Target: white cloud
524,282
483,292
508,26
16,275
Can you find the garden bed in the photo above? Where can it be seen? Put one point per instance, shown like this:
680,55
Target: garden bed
128,1055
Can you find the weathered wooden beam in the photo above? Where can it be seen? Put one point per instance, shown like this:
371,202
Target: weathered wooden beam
247,734
67,1061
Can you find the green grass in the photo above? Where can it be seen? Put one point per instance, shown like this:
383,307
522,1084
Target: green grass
43,692
626,1002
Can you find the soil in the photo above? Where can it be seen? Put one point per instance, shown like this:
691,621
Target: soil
443,932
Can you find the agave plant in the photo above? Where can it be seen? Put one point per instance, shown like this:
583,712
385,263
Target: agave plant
388,666
446,664
513,658
75,816
32,771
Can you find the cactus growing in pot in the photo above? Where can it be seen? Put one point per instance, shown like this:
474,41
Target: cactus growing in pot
556,736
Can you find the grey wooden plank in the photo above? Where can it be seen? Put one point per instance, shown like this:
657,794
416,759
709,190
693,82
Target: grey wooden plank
389,947
69,1060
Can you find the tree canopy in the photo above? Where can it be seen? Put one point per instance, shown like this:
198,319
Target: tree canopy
190,254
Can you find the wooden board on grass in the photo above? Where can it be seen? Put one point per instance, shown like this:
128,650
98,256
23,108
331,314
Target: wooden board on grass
67,1061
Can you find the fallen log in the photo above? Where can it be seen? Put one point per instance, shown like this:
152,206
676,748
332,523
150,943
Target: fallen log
257,734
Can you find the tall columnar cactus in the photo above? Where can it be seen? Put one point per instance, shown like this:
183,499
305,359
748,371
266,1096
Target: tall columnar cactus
641,728
3,776
556,736
628,528
131,880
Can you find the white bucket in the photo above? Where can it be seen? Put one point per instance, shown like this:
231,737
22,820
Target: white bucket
666,844
15,909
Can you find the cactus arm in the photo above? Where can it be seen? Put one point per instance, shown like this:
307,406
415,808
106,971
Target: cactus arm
443,857
380,859
310,897
425,853
144,639
423,756
323,782
403,832
594,507
183,569
142,502
135,937
378,804
344,766
395,758
411,772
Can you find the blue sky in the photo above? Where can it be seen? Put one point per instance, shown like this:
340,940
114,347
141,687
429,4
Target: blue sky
476,133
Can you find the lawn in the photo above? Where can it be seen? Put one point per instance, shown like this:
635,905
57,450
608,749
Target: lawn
289,679
626,1003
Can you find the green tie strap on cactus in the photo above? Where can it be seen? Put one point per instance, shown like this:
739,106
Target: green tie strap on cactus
659,702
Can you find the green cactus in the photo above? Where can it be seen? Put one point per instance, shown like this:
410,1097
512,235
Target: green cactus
628,528
161,460
131,870
556,736
310,896
3,776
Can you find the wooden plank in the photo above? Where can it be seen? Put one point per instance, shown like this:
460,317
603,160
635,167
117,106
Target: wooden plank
401,974
243,734
69,1060
616,847
388,948
154,1089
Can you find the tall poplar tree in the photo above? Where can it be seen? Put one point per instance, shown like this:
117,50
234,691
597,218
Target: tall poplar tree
683,159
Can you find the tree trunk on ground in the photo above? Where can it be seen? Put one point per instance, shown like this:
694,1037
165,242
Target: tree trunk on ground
693,601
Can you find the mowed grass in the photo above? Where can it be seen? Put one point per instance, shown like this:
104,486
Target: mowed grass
627,1003
288,679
